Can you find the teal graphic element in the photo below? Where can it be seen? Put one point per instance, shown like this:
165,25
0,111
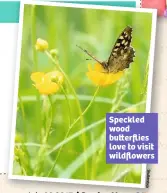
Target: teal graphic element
107,3
9,10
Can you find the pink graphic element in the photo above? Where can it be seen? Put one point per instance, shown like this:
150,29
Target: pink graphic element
155,4
165,13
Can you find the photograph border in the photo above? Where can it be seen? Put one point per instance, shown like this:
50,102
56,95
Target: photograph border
16,87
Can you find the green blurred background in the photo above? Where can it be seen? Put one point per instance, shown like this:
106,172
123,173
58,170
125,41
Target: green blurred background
96,31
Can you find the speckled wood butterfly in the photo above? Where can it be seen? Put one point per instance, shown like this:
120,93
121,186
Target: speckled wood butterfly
121,55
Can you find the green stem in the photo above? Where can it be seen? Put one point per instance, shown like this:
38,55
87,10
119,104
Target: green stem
97,157
90,103
23,171
35,61
58,154
119,95
23,115
68,103
25,131
69,83
51,115
93,165
133,106
114,108
144,90
42,150
33,33
77,103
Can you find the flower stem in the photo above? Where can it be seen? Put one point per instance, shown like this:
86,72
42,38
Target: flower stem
23,171
33,33
58,154
51,118
86,108
23,115
69,83
77,103
48,121
68,103
35,61
144,90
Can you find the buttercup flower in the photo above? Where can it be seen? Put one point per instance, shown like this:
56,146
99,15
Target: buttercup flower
98,77
47,83
41,45
54,52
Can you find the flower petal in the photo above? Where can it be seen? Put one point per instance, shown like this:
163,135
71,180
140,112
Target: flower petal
114,77
47,83
37,76
46,89
98,77
98,67
41,45
89,67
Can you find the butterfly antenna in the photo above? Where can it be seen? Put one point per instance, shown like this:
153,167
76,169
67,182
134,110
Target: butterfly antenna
89,54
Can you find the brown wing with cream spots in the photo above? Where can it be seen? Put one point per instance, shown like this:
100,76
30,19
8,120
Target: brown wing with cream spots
122,54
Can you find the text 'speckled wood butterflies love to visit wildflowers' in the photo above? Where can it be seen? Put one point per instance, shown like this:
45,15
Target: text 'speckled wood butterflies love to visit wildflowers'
121,55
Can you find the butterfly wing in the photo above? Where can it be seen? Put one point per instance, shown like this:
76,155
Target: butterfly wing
122,53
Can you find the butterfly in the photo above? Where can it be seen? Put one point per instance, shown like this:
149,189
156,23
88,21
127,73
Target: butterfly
122,53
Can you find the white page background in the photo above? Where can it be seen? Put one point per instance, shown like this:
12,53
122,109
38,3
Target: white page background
8,40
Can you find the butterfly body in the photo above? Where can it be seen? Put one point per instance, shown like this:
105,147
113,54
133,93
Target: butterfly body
121,55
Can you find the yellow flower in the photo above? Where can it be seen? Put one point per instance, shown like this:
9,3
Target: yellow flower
98,77
41,45
54,52
47,83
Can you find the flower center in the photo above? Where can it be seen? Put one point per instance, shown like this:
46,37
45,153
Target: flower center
55,79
